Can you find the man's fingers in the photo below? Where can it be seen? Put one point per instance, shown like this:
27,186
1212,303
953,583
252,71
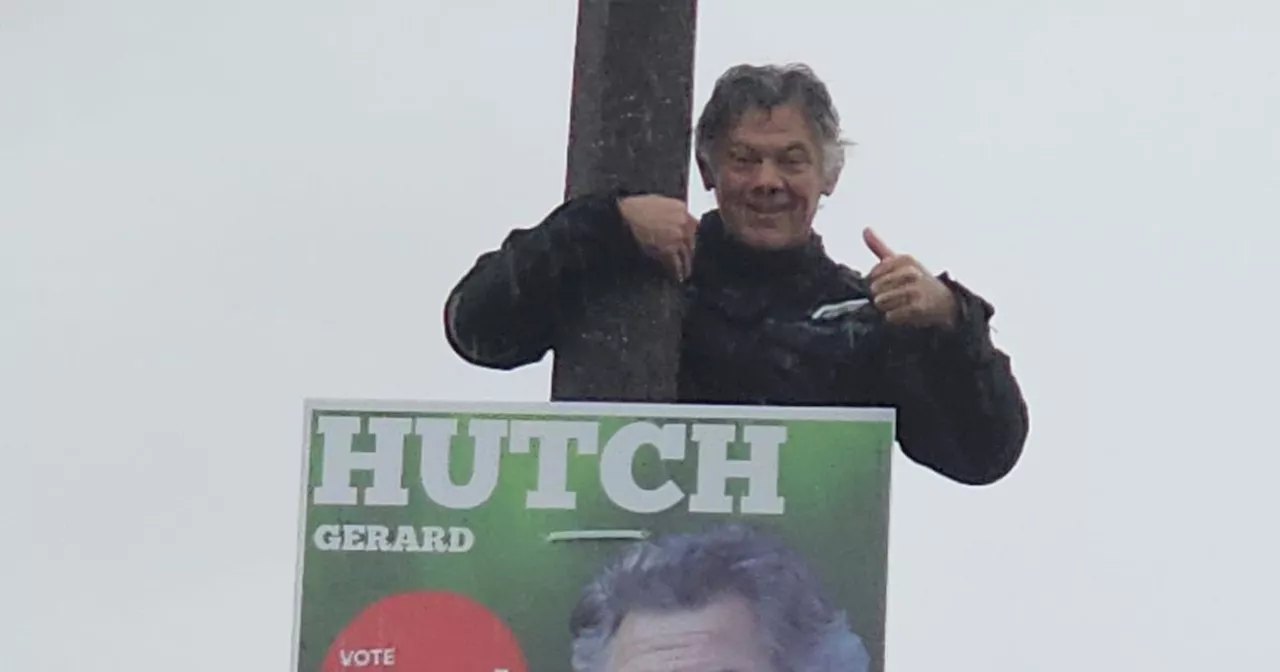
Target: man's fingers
675,266
894,279
905,315
877,246
895,300
682,263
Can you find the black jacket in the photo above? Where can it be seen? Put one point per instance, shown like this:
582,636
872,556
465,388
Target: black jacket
750,336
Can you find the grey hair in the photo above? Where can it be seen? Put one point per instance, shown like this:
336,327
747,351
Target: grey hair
803,632
743,88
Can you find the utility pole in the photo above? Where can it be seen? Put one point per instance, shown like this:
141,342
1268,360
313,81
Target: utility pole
630,125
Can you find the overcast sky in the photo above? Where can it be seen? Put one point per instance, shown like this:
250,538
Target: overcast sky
211,210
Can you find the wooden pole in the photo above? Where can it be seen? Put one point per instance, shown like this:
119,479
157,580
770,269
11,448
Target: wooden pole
630,126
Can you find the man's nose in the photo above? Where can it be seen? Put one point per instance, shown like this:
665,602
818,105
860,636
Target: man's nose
768,177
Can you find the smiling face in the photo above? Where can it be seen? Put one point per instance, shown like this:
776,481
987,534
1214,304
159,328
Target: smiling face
768,177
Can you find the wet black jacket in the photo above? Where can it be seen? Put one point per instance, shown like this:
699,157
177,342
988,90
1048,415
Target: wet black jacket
750,336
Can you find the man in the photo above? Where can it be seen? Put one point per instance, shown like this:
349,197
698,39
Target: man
726,599
769,317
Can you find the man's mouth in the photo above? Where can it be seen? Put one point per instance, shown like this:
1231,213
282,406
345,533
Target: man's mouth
768,210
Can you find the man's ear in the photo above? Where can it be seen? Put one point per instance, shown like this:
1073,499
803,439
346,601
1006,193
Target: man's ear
708,176
829,184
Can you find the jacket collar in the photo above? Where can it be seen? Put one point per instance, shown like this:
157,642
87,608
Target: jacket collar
742,260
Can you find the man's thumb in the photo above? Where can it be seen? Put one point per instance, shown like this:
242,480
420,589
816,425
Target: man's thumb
876,245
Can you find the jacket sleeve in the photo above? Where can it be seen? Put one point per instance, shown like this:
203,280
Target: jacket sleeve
505,311
961,411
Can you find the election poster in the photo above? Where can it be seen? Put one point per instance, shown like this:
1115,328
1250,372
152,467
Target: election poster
455,537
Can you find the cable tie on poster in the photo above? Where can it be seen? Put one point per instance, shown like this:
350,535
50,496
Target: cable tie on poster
597,535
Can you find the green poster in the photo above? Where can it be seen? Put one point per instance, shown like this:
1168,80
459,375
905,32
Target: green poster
558,537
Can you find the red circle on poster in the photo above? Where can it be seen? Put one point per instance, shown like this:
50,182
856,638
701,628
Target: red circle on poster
425,631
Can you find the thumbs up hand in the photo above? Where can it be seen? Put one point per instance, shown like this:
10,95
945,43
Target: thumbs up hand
905,292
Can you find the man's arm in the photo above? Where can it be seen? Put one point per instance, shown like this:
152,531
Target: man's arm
505,311
960,409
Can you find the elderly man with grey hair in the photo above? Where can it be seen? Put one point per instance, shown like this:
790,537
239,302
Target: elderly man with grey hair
728,599
769,317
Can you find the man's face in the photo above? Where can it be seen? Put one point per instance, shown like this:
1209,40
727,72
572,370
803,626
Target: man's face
768,178
723,636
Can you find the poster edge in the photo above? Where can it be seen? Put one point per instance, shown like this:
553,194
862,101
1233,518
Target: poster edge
295,653
868,413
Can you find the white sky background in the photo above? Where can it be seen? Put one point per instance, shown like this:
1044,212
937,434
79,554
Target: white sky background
209,211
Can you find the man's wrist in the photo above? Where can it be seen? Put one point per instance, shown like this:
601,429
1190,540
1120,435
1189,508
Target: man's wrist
967,335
